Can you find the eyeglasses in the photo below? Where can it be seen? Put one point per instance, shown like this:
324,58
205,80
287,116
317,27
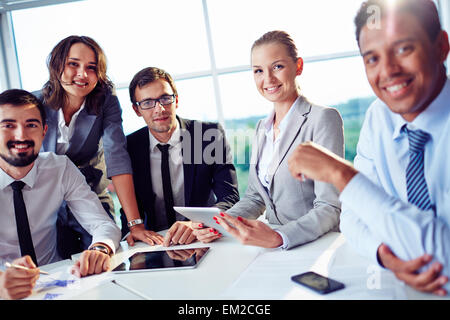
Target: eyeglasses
151,103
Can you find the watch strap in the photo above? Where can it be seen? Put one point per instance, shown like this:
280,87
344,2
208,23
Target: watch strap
101,248
134,222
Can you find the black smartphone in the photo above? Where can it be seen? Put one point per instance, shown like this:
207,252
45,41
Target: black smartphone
317,282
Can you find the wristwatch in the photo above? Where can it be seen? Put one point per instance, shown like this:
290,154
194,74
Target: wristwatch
101,248
134,222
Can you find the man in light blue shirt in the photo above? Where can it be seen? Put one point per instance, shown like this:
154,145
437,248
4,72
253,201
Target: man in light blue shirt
396,200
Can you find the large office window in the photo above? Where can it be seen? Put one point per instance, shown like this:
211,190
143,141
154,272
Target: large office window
205,45
324,34
134,34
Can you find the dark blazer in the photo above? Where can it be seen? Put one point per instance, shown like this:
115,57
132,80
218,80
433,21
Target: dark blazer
203,176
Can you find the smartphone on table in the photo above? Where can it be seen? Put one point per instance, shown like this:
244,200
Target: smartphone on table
317,282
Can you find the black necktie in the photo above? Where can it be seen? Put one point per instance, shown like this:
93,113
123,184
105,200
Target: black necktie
23,227
167,185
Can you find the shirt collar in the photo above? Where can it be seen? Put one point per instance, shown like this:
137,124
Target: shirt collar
432,120
62,121
268,122
29,179
174,139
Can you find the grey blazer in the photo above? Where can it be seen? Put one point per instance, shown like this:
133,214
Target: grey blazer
303,210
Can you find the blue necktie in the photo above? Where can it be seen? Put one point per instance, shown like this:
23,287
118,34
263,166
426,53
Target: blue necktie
416,184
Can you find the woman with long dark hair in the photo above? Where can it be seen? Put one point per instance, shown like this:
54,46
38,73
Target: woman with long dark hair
85,124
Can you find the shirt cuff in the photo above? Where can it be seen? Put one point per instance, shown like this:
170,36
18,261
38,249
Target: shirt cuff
285,243
347,197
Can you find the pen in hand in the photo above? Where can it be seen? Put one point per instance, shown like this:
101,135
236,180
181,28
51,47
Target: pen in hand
11,265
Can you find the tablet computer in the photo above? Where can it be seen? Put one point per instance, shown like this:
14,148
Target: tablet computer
162,260
203,215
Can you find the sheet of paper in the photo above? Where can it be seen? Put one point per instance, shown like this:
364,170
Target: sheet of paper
61,284
269,276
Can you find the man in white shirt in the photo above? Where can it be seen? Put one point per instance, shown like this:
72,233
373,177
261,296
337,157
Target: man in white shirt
33,186
396,201
199,170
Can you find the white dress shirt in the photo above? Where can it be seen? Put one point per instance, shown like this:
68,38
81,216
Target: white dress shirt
176,176
268,161
52,180
375,206
65,132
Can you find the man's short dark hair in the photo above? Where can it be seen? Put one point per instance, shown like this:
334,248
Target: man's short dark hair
18,98
149,75
424,10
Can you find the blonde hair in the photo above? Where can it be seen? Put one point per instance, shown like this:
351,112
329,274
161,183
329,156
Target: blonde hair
281,37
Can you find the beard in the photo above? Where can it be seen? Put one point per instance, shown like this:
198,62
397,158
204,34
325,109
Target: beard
22,159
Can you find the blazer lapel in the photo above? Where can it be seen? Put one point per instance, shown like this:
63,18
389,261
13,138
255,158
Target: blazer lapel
83,126
142,175
256,155
187,151
49,143
260,136
296,121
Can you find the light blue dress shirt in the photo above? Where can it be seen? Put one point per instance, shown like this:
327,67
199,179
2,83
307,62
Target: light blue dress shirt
375,206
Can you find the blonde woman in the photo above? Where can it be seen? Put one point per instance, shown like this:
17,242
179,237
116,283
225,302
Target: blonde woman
301,211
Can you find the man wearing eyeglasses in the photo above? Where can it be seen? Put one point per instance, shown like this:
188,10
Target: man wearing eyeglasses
176,162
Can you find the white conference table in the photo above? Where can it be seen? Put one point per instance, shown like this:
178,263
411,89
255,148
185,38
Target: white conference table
232,271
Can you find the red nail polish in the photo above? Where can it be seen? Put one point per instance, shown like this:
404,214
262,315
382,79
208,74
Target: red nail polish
215,232
215,218
200,225
222,214
239,218
217,222
211,230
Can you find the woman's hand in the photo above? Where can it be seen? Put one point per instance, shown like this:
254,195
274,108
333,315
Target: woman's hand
205,234
250,232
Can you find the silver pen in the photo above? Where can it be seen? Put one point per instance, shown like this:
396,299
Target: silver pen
12,265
